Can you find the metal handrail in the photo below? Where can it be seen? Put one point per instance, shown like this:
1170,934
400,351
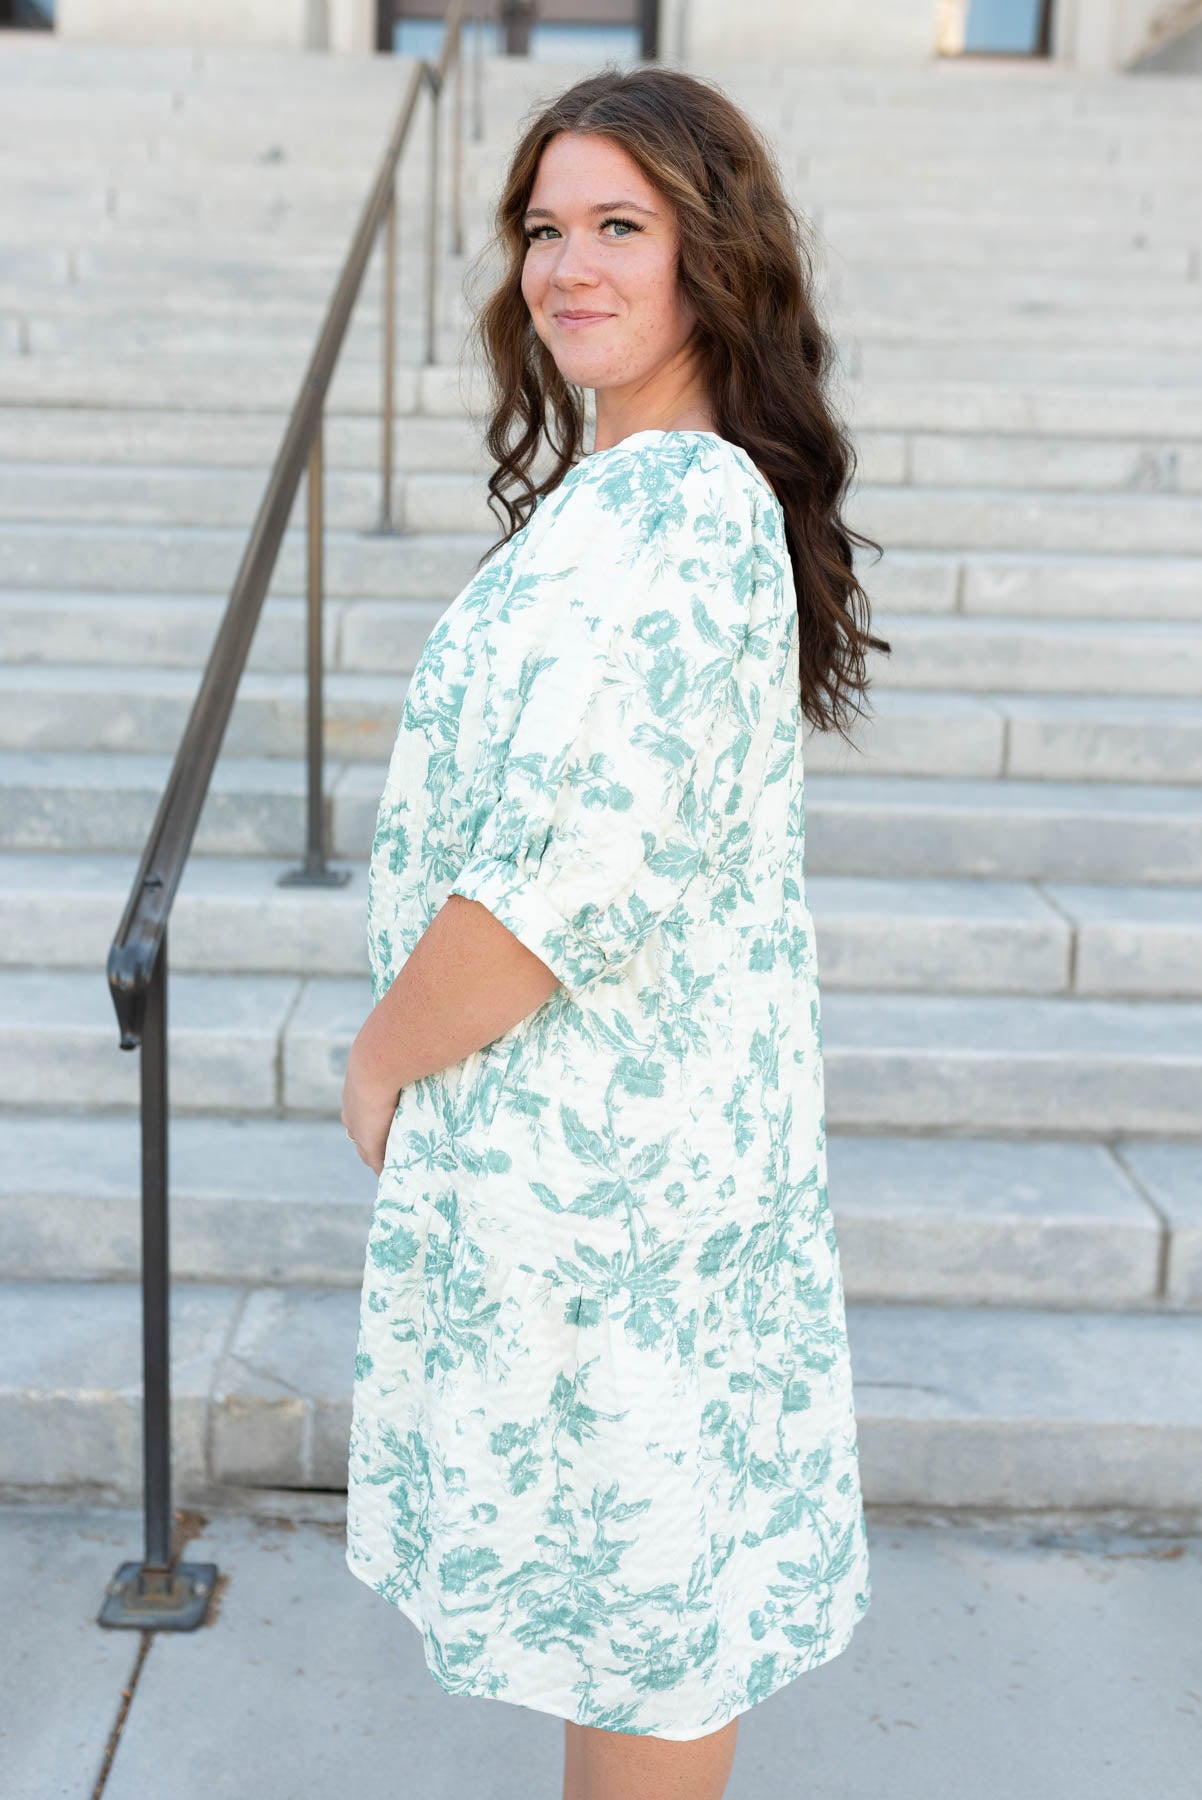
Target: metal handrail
152,1594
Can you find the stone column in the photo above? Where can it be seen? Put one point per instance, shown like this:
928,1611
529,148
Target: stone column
352,26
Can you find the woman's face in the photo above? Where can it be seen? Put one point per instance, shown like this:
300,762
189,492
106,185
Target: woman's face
602,242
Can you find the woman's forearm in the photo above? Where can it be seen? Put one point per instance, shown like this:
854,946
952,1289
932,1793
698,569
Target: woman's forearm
468,981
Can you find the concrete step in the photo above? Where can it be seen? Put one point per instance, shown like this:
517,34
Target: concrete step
121,327
189,195
970,232
997,190
199,559
234,381
114,225
307,268
986,399
940,1062
885,239
899,514
1015,191
968,1221
78,494
123,135
987,404
1006,119
103,438
424,565
241,202
1001,218
1066,737
953,651
1034,463
870,361
298,301
1015,188
932,936
78,69
1032,584
1145,236
115,179
145,710
58,1036
978,654
60,801
982,1406
904,1062
1012,830
213,124
342,142
176,631
990,404
856,824
998,518
261,334
1045,91
232,916
868,323
849,290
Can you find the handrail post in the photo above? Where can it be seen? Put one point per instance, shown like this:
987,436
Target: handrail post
457,147
156,1401
314,871
388,402
432,222
478,73
151,1592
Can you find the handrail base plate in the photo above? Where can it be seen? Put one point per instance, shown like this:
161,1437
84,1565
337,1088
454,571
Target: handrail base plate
303,877
159,1599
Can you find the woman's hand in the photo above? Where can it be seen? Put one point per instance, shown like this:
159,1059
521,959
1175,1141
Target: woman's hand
367,1109
467,981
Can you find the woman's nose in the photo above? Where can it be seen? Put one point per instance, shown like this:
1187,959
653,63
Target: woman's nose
574,260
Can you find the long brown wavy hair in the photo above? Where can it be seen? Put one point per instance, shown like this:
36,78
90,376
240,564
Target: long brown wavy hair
745,266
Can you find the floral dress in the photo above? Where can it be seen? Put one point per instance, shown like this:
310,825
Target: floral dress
603,1448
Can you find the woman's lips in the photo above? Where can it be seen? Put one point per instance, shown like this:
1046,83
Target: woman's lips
572,321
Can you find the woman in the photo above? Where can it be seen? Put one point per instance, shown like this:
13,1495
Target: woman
603,1449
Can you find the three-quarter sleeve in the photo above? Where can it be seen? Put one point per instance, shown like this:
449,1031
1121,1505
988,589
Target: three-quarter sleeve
628,694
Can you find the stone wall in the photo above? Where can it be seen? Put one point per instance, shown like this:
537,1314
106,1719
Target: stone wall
1089,34
846,31
340,25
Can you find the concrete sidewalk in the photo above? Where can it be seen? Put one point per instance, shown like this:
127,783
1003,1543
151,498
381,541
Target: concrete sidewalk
1054,1656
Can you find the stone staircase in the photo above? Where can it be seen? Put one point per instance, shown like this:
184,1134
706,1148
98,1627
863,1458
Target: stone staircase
1006,874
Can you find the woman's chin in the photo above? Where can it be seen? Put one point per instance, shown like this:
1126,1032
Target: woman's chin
596,374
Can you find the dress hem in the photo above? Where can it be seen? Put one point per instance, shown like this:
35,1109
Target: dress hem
835,1648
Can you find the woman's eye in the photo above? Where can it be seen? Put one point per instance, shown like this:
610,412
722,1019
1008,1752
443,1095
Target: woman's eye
532,231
